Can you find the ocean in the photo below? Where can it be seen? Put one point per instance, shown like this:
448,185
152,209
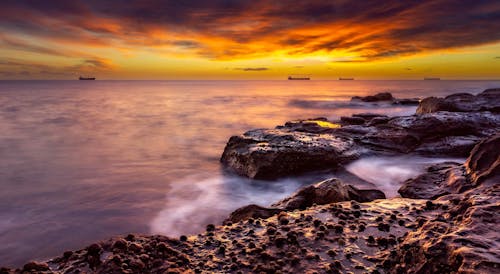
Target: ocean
82,161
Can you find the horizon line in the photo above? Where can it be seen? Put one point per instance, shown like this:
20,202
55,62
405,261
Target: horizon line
198,79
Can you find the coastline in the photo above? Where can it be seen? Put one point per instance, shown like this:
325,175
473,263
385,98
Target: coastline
339,236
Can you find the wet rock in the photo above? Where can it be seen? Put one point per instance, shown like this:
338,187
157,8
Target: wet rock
369,116
407,102
325,192
484,161
252,211
440,179
269,154
452,146
465,239
352,120
120,244
318,144
488,100
434,104
94,249
451,132
378,121
383,96
36,266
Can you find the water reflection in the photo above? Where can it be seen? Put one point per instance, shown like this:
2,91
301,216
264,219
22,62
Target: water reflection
81,162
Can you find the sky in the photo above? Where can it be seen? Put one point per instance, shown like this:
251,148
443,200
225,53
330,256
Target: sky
249,39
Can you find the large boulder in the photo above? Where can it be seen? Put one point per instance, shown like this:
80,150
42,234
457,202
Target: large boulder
325,192
488,100
269,154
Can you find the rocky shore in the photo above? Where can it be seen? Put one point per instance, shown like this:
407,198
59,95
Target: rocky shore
446,220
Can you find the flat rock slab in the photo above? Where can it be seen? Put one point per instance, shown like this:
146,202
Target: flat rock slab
273,153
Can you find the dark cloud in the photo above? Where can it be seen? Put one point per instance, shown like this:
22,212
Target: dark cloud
498,57
189,44
252,69
372,29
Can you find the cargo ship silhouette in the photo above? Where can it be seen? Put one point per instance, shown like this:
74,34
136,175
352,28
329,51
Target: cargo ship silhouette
86,78
299,77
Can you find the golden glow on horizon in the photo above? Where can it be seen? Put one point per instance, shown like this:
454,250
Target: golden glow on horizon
166,63
236,49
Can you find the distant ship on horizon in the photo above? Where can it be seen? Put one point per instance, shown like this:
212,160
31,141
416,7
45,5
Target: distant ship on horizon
299,77
86,78
432,78
346,78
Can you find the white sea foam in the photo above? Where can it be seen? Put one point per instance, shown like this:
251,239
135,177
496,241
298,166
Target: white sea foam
388,173
195,202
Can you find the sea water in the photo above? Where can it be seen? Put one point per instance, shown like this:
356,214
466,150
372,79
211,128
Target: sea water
81,161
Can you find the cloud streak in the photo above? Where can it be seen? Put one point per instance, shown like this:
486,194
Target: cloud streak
252,69
222,30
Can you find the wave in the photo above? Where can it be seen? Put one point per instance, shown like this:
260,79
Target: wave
194,202
388,173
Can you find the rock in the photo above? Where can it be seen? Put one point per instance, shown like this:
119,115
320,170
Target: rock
325,192
450,178
453,133
120,244
407,102
391,138
383,96
251,211
434,104
378,121
36,266
484,161
488,100
310,145
352,120
440,179
452,146
316,125
368,116
269,154
464,239
94,249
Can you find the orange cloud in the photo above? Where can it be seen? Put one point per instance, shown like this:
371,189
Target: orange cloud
338,31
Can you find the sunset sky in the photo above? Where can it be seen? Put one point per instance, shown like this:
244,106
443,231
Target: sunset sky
253,39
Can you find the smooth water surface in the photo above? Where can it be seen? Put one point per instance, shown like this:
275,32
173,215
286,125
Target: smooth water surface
82,161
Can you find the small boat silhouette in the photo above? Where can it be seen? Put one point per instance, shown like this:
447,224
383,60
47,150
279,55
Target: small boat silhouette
343,78
432,78
299,77
86,78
